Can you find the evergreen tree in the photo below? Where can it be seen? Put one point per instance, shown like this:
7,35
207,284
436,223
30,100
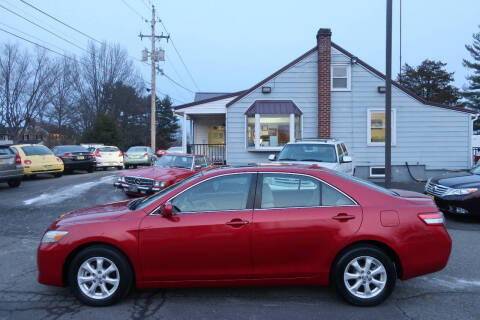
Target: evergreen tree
472,91
430,81
104,130
167,124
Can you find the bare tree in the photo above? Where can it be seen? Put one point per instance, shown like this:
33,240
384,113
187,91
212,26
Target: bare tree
25,84
99,69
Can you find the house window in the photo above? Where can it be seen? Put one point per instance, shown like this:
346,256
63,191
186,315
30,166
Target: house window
376,127
274,130
377,172
340,77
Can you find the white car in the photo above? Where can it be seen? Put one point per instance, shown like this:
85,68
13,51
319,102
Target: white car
327,153
108,156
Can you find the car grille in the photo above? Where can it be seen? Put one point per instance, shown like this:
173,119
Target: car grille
436,189
139,181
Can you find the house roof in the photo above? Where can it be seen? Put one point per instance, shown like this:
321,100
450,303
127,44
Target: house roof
362,63
199,96
214,98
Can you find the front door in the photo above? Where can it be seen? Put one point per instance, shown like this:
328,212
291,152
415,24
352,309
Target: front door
297,222
208,236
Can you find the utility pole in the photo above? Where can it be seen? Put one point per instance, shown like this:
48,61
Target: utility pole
388,99
155,56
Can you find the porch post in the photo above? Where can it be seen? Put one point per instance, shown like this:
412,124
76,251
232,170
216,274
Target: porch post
292,127
257,130
184,133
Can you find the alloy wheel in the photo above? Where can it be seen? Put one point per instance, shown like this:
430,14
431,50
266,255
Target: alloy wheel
98,278
365,277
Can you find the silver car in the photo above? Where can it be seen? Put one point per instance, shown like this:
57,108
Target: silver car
138,155
11,170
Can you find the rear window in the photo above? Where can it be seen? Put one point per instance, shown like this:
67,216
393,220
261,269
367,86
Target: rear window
5,151
36,151
108,149
60,149
365,183
138,149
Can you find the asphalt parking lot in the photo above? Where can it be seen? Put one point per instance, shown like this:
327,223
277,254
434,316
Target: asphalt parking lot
25,212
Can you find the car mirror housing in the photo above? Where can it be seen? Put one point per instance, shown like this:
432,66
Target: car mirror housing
167,210
346,159
271,157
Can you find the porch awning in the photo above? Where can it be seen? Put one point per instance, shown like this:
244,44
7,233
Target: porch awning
273,107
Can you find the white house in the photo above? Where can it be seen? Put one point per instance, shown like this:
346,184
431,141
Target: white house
329,92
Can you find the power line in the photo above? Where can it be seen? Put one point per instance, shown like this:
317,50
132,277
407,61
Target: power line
180,57
133,9
29,35
175,82
43,28
38,45
59,21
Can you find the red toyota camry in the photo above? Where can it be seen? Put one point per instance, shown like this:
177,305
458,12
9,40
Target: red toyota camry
265,225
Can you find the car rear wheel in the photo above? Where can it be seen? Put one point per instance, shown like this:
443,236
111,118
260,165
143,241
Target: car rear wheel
57,175
100,276
14,183
90,170
364,275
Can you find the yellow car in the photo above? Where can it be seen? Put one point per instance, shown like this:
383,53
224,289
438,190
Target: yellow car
36,159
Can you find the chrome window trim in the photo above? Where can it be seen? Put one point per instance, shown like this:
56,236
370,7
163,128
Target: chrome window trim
310,176
196,184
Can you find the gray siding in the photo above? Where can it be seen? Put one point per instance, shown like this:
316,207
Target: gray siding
426,135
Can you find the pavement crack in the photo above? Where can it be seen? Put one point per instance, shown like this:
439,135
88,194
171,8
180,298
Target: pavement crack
147,305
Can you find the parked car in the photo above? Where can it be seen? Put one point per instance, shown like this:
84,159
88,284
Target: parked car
36,159
175,150
75,158
267,225
456,192
138,156
108,156
11,170
327,153
166,171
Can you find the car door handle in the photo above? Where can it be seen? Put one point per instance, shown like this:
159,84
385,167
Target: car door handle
343,217
236,223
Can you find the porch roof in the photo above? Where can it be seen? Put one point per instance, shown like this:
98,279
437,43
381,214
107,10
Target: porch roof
273,107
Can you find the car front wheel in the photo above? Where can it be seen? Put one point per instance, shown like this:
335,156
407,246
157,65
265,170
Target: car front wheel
100,276
14,183
364,275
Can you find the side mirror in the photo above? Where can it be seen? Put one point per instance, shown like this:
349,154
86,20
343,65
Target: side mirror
346,159
271,157
167,210
198,167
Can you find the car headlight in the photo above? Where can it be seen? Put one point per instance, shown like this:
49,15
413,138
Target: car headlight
160,184
459,192
53,236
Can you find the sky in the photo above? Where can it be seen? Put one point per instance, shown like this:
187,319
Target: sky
231,45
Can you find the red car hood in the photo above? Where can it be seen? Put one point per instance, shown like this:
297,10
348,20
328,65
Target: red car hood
99,213
159,173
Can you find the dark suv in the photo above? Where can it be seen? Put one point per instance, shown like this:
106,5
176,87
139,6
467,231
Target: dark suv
11,170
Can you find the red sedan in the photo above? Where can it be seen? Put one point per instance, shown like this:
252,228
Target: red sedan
266,225
167,170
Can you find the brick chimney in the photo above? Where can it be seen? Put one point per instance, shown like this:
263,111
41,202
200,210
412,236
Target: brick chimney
324,100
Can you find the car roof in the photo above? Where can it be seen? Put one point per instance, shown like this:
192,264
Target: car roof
268,167
318,141
183,154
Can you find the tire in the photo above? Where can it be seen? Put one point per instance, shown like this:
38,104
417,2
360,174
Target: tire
90,170
57,175
114,290
345,273
14,183
134,166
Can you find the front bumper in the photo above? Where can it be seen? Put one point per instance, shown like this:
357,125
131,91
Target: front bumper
50,261
460,205
136,190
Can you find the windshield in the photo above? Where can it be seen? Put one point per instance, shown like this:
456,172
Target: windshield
145,202
365,183
476,170
308,152
170,160
137,149
36,151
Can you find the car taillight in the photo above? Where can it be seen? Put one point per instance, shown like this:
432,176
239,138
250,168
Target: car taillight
125,155
97,154
432,219
120,154
91,155
66,156
145,155
18,160
58,159
27,161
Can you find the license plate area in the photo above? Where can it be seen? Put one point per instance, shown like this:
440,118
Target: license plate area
80,157
133,189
